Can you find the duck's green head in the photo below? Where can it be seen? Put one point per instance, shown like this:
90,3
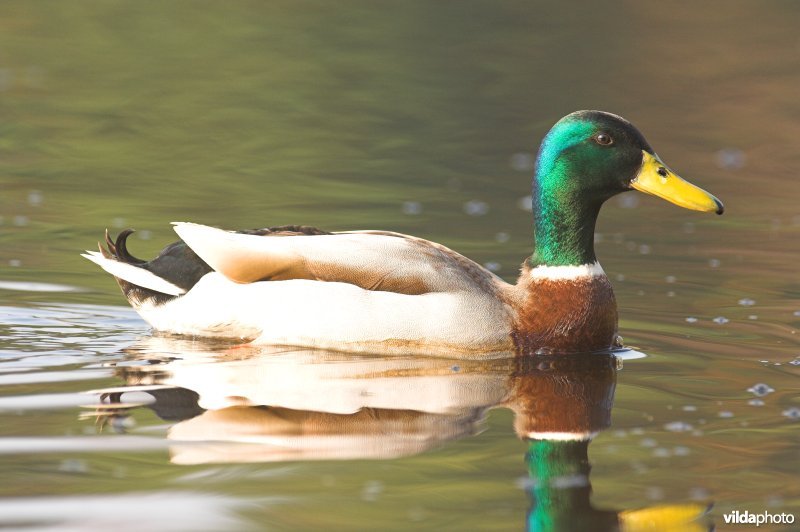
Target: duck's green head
586,158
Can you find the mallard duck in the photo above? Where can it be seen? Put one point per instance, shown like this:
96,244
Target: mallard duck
380,291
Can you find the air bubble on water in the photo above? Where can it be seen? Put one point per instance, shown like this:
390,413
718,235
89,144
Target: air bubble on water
144,234
688,228
721,320
747,302
689,408
725,414
761,389
671,293
620,277
628,201
648,442
492,266
795,362
714,263
525,203
371,490
35,198
522,162
755,402
797,313
476,208
20,220
118,223
661,452
792,413
691,319
678,426
680,450
73,465
670,278
698,493
598,237
730,158
654,493
644,249
502,237
412,208
15,263
752,317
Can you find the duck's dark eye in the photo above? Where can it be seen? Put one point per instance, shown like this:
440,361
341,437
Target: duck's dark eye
603,139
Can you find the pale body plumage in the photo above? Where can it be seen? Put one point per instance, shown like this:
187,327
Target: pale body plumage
368,291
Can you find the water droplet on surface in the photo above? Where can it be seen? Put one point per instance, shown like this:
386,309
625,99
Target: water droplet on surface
522,162
371,490
628,201
661,452
792,413
35,198
691,319
492,266
678,426
476,208
760,389
721,320
412,208
747,302
680,450
730,158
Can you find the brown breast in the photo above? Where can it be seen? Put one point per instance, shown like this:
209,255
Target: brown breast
565,315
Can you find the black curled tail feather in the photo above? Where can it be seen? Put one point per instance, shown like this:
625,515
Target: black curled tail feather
121,248
176,264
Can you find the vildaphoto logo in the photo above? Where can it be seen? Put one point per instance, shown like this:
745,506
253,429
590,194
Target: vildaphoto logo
763,518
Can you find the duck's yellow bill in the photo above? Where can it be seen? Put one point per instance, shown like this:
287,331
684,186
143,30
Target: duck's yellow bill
656,178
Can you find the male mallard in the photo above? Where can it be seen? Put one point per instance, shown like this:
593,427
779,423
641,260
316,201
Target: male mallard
382,291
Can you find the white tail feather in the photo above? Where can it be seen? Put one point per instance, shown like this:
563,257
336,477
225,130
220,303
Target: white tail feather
134,274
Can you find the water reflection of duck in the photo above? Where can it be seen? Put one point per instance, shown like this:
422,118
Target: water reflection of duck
379,291
257,405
